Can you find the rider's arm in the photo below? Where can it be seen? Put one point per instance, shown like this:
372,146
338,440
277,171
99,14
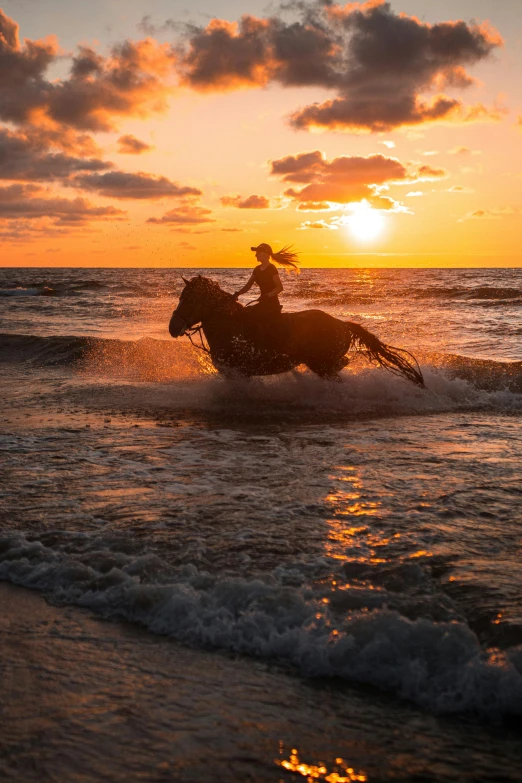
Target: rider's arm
246,287
278,286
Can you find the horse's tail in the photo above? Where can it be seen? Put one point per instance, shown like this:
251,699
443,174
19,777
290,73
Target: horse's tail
396,360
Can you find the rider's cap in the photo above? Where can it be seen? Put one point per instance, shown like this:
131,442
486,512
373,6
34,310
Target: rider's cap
263,247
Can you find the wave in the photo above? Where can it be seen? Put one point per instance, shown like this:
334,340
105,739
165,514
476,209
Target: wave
142,360
440,666
151,358
462,292
481,296
482,373
81,288
41,290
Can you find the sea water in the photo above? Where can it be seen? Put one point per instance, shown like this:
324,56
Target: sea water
366,533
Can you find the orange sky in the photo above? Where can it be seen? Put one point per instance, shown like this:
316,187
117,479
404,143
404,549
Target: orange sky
372,134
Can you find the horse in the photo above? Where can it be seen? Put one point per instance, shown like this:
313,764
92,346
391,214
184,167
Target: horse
239,345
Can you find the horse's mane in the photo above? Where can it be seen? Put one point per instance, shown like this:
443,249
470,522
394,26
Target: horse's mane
213,287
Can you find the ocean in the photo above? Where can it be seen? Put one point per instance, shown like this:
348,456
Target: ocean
353,548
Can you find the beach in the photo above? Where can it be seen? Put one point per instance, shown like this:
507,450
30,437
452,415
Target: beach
84,699
224,572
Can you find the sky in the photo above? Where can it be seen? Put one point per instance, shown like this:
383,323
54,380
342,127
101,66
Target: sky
373,133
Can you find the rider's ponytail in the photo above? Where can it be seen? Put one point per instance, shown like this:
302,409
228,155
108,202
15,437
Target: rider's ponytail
286,257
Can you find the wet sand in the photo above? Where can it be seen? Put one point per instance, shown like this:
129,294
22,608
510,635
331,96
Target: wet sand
87,700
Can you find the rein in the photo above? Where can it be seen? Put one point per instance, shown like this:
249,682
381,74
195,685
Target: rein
192,331
199,331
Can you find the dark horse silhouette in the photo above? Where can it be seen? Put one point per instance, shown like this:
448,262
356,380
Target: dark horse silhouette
238,346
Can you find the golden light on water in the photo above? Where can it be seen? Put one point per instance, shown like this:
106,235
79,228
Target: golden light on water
312,772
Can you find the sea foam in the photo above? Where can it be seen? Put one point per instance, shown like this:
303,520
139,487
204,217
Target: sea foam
439,666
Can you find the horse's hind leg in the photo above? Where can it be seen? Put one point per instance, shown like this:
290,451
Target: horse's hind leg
327,372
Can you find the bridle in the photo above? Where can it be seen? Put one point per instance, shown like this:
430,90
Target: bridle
193,330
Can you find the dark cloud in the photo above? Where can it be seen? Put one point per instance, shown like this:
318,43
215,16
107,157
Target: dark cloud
25,158
341,180
386,70
232,230
380,64
21,71
149,28
130,145
122,184
224,55
131,81
31,202
251,202
391,62
188,214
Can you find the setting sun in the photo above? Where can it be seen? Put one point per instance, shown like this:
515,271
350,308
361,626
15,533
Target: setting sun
365,223
261,383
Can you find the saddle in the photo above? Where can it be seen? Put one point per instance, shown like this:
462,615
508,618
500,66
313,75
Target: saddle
264,326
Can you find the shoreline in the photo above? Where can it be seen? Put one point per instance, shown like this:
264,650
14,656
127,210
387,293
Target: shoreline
87,700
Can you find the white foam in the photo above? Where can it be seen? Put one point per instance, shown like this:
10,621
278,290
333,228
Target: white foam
440,666
370,391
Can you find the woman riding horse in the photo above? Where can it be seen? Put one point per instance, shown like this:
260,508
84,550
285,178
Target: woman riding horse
267,278
310,337
262,318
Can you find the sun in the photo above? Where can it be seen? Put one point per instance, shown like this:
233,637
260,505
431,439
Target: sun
365,223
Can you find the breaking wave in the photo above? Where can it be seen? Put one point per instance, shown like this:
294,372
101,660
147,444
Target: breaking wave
440,666
153,359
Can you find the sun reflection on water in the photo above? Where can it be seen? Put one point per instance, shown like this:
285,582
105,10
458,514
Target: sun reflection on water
312,772
351,503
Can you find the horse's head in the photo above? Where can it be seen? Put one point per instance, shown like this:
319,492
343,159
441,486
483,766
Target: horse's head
196,298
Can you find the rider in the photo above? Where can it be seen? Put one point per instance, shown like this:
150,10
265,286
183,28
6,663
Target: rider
267,278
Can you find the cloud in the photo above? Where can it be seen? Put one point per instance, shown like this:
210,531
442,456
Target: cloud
490,214
24,157
251,202
429,173
130,145
146,26
464,151
341,180
232,230
188,214
480,214
459,189
132,81
122,184
387,70
314,206
30,202
227,55
318,224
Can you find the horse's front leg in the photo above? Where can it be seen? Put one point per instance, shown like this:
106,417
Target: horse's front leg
230,372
